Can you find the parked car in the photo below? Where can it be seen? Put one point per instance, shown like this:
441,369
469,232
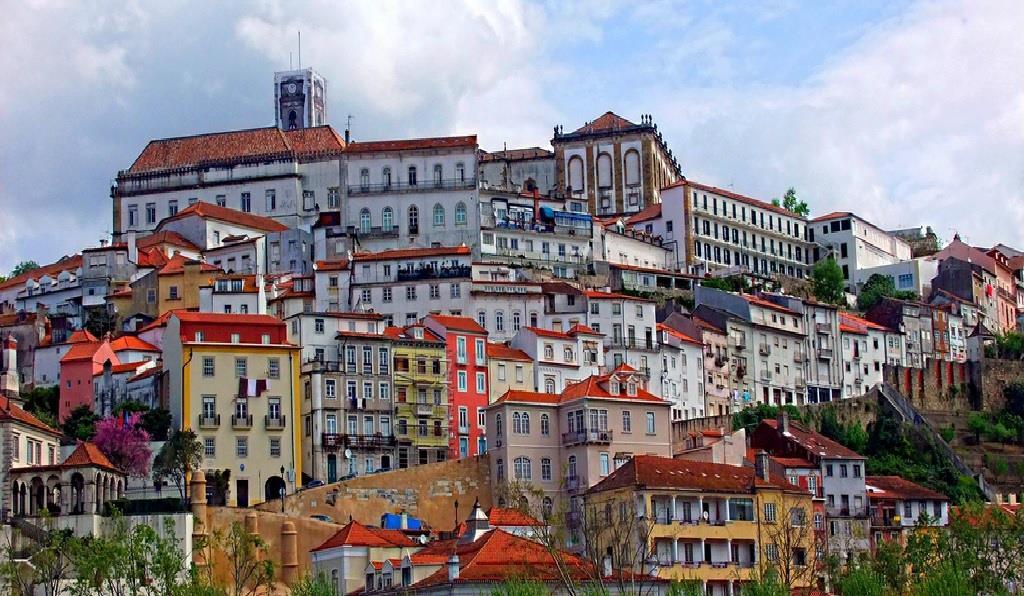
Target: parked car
323,518
314,483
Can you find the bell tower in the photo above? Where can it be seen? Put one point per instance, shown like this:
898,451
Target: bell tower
300,99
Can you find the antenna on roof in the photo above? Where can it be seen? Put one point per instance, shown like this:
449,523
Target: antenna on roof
290,65
348,128
300,49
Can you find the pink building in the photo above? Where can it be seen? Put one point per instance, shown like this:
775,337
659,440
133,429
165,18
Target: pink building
77,368
466,353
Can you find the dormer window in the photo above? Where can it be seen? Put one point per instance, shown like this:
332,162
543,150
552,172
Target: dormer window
631,389
613,387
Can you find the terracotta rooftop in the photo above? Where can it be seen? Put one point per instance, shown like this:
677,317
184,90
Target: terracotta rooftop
169,237
591,387
341,265
176,265
814,442
504,516
81,336
757,301
412,144
680,335
406,333
71,263
895,487
736,197
131,342
833,215
9,410
82,351
235,146
189,316
648,213
226,214
609,121
356,534
454,323
503,352
88,455
654,472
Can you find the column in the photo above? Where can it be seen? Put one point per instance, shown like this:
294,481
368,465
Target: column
675,551
675,511
199,524
700,509
729,587
289,553
728,550
727,510
700,557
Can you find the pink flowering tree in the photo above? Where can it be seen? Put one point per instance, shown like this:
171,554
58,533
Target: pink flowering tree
124,441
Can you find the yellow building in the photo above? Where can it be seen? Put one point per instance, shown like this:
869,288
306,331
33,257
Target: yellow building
234,380
508,368
421,395
715,523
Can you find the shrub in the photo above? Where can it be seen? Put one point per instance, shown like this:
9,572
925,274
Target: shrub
948,433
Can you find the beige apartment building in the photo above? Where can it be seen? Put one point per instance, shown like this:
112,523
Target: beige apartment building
565,443
508,368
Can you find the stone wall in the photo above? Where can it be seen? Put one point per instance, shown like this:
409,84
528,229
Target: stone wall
939,387
995,375
427,492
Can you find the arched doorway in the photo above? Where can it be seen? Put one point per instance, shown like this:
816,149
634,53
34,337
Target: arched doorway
273,488
77,494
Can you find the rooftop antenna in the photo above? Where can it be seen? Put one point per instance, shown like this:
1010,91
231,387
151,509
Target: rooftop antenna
348,128
290,65
300,49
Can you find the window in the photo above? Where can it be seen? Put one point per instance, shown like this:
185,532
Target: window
627,423
481,383
463,381
271,196
133,215
798,517
549,385
241,367
650,423
274,368
245,203
516,321
387,219
545,425
438,175
172,208
460,214
769,512
438,216
460,350
241,447
545,468
331,389
150,213
414,220
500,469
455,290
856,470
481,351
412,176
275,447
410,292
604,464
386,295
208,366
364,221
523,469
501,371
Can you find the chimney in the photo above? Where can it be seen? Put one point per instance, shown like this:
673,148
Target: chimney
103,242
783,420
404,525
453,567
761,467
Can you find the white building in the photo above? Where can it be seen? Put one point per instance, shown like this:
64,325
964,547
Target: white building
416,192
856,244
505,307
630,330
234,293
914,275
615,243
865,353
286,175
682,378
519,169
316,332
720,229
560,357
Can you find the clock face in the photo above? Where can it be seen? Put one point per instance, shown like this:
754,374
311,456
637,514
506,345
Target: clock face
291,87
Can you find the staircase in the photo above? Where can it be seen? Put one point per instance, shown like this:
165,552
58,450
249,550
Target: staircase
889,396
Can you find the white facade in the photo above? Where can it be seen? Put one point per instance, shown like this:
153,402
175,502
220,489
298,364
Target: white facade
559,358
914,275
316,332
856,244
505,307
630,330
617,244
244,294
682,378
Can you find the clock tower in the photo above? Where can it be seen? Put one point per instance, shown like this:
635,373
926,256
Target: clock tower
300,99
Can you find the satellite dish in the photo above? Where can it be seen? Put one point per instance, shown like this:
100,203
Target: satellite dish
423,539
348,454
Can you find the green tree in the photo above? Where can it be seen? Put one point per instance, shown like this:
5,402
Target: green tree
861,581
182,453
100,322
24,267
749,418
874,289
313,585
518,586
765,584
80,424
827,282
251,573
978,424
43,565
790,202
43,402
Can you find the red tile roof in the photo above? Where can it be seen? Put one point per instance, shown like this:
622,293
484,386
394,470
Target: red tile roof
609,121
356,534
455,323
341,265
680,335
234,146
591,387
833,215
581,329
125,367
653,472
131,342
82,351
757,301
151,258
81,336
190,316
599,295
895,487
412,144
10,410
406,334
226,214
503,516
413,253
648,213
503,352
541,332
858,324
88,455
65,264
176,265
169,237
814,442
149,372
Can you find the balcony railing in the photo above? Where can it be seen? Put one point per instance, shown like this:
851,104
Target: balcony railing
585,437
333,441
764,349
430,410
373,232
543,257
424,186
823,328
766,375
633,343
274,422
824,353
209,421
409,274
572,225
886,519
840,511
241,421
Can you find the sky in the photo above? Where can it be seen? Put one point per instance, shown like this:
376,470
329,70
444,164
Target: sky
906,112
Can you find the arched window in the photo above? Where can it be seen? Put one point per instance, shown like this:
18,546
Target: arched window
549,385
460,172
576,174
500,467
387,219
497,425
499,321
386,177
412,175
516,321
517,423
549,352
523,468
572,466
526,423
364,179
545,425
438,216
414,220
604,171
438,178
364,220
548,508
632,167
568,355
460,214
481,318
545,468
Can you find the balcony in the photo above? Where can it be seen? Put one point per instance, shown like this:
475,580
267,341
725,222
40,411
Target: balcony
334,441
565,224
799,357
373,232
274,422
542,257
739,343
841,511
633,343
404,187
886,519
824,353
331,441
800,383
764,350
858,381
587,437
823,328
430,410
766,375
428,272
241,422
207,422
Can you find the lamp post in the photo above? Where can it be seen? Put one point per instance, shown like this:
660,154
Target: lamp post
283,489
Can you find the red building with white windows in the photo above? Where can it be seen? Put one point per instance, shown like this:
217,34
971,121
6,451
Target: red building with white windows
466,353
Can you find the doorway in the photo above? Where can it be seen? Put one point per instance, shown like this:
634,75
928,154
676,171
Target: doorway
241,493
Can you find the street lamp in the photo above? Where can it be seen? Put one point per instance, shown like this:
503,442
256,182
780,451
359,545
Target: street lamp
282,491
